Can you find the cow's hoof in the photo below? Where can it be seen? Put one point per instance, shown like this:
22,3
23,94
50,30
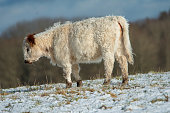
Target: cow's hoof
124,82
68,84
79,83
106,82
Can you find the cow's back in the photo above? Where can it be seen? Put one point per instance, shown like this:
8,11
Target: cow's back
89,35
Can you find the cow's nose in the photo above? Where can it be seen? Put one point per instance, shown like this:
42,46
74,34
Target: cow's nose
25,61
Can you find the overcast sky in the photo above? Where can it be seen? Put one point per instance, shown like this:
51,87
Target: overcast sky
13,11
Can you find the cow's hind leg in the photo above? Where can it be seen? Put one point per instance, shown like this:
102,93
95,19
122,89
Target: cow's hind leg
67,75
123,64
75,71
108,66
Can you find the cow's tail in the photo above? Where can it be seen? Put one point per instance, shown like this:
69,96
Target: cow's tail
126,41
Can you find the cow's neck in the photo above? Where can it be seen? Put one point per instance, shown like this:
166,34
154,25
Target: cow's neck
45,43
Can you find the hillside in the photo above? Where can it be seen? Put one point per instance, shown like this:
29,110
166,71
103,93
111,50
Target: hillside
146,93
150,39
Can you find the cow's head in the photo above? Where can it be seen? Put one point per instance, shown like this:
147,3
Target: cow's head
31,50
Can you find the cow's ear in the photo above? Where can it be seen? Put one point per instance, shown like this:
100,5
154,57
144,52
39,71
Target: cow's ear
31,39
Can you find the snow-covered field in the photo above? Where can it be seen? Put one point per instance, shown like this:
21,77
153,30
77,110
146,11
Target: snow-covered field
146,93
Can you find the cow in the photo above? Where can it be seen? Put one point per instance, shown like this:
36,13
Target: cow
88,41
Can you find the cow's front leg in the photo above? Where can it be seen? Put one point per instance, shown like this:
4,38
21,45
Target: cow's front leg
67,76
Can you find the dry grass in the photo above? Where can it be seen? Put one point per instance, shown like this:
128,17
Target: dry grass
4,93
44,94
72,91
61,92
105,107
112,95
90,89
135,99
14,97
157,100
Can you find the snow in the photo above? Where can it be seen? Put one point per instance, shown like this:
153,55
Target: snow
145,93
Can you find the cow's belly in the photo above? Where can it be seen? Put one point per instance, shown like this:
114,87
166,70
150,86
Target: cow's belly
86,50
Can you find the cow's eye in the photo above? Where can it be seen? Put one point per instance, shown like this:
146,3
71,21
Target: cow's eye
28,49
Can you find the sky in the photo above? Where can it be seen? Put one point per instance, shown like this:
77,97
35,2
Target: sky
13,11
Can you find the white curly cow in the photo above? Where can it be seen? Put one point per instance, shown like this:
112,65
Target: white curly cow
87,41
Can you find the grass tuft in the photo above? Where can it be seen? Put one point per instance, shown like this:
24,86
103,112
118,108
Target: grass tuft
112,95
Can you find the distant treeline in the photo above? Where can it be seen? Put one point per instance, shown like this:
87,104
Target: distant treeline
150,40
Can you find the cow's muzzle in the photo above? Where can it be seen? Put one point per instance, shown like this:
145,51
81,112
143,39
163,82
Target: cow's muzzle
27,62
